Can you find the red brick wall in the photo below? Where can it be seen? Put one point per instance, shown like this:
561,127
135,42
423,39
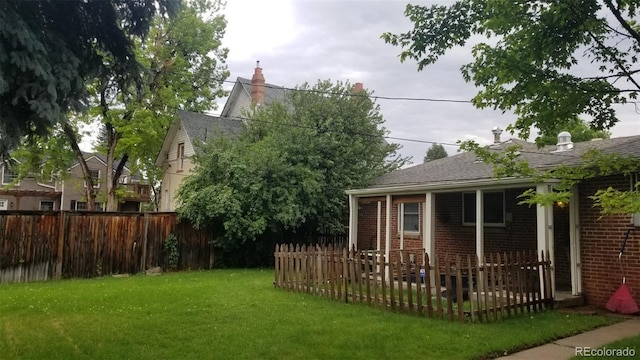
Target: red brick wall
368,220
600,241
454,238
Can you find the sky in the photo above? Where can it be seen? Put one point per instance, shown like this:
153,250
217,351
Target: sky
299,41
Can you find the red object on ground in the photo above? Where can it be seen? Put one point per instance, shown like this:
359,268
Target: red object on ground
622,302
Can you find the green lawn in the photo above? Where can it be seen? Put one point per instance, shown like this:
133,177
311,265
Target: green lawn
238,314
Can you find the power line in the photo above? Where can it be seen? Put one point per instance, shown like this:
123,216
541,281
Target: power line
403,98
243,119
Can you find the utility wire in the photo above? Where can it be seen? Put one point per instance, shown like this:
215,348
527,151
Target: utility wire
270,86
244,120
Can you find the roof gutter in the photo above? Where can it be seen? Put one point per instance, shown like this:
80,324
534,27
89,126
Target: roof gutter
485,184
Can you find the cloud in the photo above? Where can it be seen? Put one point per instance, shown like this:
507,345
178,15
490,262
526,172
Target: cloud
306,40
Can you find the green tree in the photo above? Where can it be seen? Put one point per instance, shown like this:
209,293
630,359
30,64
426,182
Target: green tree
185,66
50,49
435,152
289,170
184,69
548,61
579,130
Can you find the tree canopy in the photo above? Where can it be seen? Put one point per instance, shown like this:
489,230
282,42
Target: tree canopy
547,61
183,62
288,171
435,152
551,63
51,50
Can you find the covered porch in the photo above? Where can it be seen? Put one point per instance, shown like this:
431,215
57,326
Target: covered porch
468,218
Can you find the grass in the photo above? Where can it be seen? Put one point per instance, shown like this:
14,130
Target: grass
238,314
620,345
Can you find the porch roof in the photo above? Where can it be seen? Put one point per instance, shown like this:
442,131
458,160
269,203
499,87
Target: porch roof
465,171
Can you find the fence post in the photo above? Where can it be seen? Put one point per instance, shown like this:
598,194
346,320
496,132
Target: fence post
145,239
60,252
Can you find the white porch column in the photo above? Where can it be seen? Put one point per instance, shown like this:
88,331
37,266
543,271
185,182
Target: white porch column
428,226
544,233
387,245
480,235
574,243
379,226
401,224
353,221
480,226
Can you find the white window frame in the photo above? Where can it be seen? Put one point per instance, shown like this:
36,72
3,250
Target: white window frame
180,156
4,169
96,180
485,204
402,212
53,204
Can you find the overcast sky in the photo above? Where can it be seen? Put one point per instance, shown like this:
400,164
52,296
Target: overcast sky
299,41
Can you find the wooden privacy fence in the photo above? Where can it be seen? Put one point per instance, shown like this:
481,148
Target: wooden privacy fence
454,287
39,245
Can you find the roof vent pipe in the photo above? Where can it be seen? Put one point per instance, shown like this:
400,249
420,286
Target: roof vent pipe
496,131
564,142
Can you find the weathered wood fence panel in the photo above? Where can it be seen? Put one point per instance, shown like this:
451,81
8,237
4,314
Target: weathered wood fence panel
38,245
458,288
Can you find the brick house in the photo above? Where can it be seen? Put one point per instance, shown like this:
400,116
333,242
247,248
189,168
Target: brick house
190,128
455,206
68,192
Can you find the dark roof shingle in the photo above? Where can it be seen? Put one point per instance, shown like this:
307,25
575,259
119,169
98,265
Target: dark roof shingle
465,166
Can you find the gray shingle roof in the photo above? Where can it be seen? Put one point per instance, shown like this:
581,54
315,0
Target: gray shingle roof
465,166
271,92
201,126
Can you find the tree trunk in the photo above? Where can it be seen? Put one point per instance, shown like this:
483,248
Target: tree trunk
90,191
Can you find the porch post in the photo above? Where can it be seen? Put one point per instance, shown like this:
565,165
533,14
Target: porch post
387,245
353,221
429,232
479,225
574,243
401,224
544,233
379,226
480,235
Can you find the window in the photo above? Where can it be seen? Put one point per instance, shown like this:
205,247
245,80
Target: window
83,206
4,204
95,177
123,179
46,205
493,208
8,175
180,156
411,219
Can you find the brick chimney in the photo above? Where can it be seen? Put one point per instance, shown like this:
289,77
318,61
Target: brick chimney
357,89
257,86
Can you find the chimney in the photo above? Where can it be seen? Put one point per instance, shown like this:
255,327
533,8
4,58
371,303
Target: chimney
257,86
357,87
496,134
564,141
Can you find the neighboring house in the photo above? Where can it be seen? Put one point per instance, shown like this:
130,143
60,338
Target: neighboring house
454,205
68,193
74,188
28,194
189,128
